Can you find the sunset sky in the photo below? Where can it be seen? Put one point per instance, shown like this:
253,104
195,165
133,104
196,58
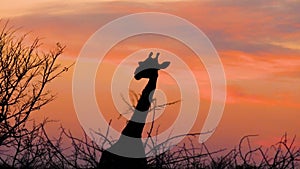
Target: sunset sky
258,43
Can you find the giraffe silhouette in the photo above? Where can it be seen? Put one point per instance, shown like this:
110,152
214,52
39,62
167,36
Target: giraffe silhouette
128,152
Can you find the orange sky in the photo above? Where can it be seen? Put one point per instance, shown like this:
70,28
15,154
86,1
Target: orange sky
258,42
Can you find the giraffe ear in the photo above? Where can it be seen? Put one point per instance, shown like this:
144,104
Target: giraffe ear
164,65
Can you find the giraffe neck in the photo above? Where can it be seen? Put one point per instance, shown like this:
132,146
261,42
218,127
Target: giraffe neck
135,126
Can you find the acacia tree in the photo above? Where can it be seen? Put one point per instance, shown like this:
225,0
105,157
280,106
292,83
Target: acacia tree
24,74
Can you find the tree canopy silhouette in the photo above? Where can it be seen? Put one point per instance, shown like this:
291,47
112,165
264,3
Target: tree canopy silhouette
24,74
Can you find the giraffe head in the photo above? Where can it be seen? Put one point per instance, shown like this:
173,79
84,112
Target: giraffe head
149,67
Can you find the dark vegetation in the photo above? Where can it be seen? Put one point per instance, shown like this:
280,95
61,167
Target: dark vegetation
24,74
